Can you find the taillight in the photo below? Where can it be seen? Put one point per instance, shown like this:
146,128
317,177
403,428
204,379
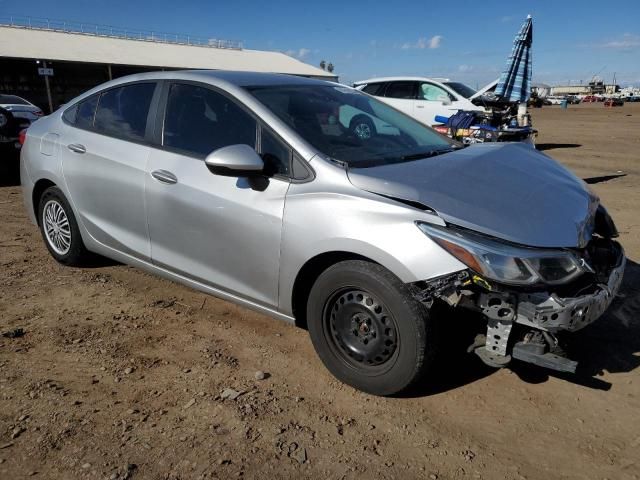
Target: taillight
39,113
22,136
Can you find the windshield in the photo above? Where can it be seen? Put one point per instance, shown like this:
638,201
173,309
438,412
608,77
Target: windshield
349,126
12,100
461,88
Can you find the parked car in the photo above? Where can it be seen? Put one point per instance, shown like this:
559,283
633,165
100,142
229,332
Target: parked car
574,99
590,99
20,108
420,97
613,102
247,186
10,128
555,100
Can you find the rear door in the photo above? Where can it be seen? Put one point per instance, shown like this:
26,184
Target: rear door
222,231
104,158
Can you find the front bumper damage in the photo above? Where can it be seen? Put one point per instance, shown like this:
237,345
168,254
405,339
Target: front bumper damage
524,324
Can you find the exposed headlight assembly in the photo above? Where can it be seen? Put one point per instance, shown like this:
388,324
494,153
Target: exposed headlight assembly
503,262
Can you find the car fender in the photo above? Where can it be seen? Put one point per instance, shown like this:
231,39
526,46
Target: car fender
358,223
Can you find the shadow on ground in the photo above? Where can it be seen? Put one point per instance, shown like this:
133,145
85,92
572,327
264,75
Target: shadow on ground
603,178
9,167
553,146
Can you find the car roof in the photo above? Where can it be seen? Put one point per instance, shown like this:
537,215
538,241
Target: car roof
239,79
401,79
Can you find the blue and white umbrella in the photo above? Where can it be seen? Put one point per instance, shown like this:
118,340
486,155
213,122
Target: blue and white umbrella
514,84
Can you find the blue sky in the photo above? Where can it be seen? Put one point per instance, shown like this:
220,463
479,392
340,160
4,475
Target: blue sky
463,40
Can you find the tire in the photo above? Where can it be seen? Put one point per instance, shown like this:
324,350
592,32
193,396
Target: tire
367,328
60,230
362,127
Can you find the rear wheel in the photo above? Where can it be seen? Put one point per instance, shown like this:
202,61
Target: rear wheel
368,329
59,229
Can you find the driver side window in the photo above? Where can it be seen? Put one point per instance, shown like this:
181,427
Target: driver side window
432,93
199,120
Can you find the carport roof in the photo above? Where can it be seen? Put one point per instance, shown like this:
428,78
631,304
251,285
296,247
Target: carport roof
44,44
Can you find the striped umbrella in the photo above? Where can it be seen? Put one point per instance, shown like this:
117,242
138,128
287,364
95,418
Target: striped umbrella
515,81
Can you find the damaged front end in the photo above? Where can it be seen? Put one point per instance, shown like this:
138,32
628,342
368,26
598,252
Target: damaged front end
528,296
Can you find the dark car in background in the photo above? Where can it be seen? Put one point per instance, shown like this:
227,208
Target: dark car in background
613,102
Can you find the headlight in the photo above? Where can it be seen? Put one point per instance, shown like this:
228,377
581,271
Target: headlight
504,262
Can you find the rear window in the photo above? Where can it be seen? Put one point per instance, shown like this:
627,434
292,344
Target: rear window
86,112
12,100
123,111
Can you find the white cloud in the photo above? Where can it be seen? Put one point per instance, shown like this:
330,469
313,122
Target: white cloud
465,68
435,41
424,42
628,40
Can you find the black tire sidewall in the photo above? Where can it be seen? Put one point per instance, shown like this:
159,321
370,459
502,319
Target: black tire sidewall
77,254
414,352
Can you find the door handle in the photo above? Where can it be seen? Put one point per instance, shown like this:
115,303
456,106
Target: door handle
419,106
164,176
76,147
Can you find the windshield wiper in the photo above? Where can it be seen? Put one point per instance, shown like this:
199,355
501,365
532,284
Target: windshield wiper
427,154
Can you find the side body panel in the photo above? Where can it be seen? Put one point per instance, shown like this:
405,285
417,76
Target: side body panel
222,231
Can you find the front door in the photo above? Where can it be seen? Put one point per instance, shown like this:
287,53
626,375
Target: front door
219,230
433,100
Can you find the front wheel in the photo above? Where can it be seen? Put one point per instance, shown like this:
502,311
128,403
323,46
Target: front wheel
368,329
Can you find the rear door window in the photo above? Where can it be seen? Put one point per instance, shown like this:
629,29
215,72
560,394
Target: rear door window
122,111
404,90
375,89
84,113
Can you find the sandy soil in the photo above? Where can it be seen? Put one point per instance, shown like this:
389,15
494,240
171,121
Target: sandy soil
121,375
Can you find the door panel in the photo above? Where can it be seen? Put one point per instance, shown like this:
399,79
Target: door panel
216,229
106,184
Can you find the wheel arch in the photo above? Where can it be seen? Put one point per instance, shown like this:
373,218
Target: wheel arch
38,189
307,276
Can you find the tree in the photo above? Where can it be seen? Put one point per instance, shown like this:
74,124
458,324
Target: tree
330,67
323,64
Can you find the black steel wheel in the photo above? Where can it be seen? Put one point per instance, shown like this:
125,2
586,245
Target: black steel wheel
368,329
360,329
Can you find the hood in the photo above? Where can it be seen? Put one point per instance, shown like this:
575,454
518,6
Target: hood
484,89
506,190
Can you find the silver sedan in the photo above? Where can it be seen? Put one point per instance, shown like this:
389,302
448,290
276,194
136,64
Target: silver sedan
319,205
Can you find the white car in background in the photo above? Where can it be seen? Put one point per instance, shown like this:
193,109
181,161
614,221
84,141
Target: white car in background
555,100
421,97
20,108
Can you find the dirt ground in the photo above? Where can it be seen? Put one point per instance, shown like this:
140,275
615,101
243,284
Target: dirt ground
120,375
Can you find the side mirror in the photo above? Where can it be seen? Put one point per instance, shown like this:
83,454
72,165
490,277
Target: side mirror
446,101
235,161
